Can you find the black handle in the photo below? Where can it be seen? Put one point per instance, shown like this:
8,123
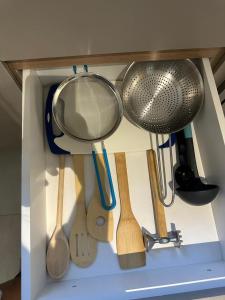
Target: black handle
49,123
186,174
186,152
181,148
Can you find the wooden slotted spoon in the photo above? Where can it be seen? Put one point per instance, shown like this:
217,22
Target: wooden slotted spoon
129,240
83,247
58,254
100,221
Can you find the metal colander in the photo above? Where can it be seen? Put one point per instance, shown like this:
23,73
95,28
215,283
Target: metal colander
162,96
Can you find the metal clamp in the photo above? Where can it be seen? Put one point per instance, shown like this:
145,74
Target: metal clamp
150,239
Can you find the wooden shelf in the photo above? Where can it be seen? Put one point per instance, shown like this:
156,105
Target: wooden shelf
46,63
14,67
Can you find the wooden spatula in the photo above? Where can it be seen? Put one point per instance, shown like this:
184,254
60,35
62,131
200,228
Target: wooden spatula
83,247
130,245
58,254
159,212
100,221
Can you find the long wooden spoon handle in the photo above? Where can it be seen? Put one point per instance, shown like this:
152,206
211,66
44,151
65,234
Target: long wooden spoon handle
60,191
159,213
78,166
122,179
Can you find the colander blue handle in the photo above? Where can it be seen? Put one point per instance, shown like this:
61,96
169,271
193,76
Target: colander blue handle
49,123
167,143
102,196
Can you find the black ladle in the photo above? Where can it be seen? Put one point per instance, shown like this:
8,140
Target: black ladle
191,189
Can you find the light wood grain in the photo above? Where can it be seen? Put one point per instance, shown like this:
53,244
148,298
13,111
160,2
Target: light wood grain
58,255
221,88
102,231
57,62
83,247
11,290
15,74
129,240
159,212
217,60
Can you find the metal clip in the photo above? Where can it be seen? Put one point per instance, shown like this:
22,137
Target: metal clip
150,239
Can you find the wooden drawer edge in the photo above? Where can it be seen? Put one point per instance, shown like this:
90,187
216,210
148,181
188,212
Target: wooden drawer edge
46,63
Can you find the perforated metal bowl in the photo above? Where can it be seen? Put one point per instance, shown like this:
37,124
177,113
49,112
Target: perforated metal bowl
162,96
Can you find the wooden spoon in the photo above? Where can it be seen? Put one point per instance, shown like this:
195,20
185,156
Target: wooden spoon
83,247
58,254
129,240
100,221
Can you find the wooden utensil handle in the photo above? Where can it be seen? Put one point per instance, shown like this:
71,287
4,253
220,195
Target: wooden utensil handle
60,191
78,166
122,179
159,213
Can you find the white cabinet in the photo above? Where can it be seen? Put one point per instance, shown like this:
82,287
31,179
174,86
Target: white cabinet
10,161
198,264
94,27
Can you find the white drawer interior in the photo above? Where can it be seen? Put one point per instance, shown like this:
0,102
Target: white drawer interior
198,264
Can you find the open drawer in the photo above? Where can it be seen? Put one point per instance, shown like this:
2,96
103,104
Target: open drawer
199,263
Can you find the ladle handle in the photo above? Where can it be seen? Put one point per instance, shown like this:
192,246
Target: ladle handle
190,149
159,213
182,148
186,150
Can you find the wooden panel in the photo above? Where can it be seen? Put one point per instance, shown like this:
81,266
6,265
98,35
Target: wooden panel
221,87
15,74
11,289
47,63
218,60
10,96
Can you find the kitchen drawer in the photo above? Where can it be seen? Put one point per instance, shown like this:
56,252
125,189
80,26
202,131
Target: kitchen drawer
199,264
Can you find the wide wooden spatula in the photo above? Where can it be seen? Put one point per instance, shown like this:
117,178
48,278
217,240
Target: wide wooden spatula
129,239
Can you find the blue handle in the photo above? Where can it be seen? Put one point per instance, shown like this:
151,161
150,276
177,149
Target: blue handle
113,204
102,196
48,123
167,143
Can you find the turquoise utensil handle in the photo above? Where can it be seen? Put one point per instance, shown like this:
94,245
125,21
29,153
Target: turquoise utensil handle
102,196
188,132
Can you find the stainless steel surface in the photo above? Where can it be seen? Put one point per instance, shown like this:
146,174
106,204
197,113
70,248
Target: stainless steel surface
172,175
87,107
161,169
162,96
162,172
